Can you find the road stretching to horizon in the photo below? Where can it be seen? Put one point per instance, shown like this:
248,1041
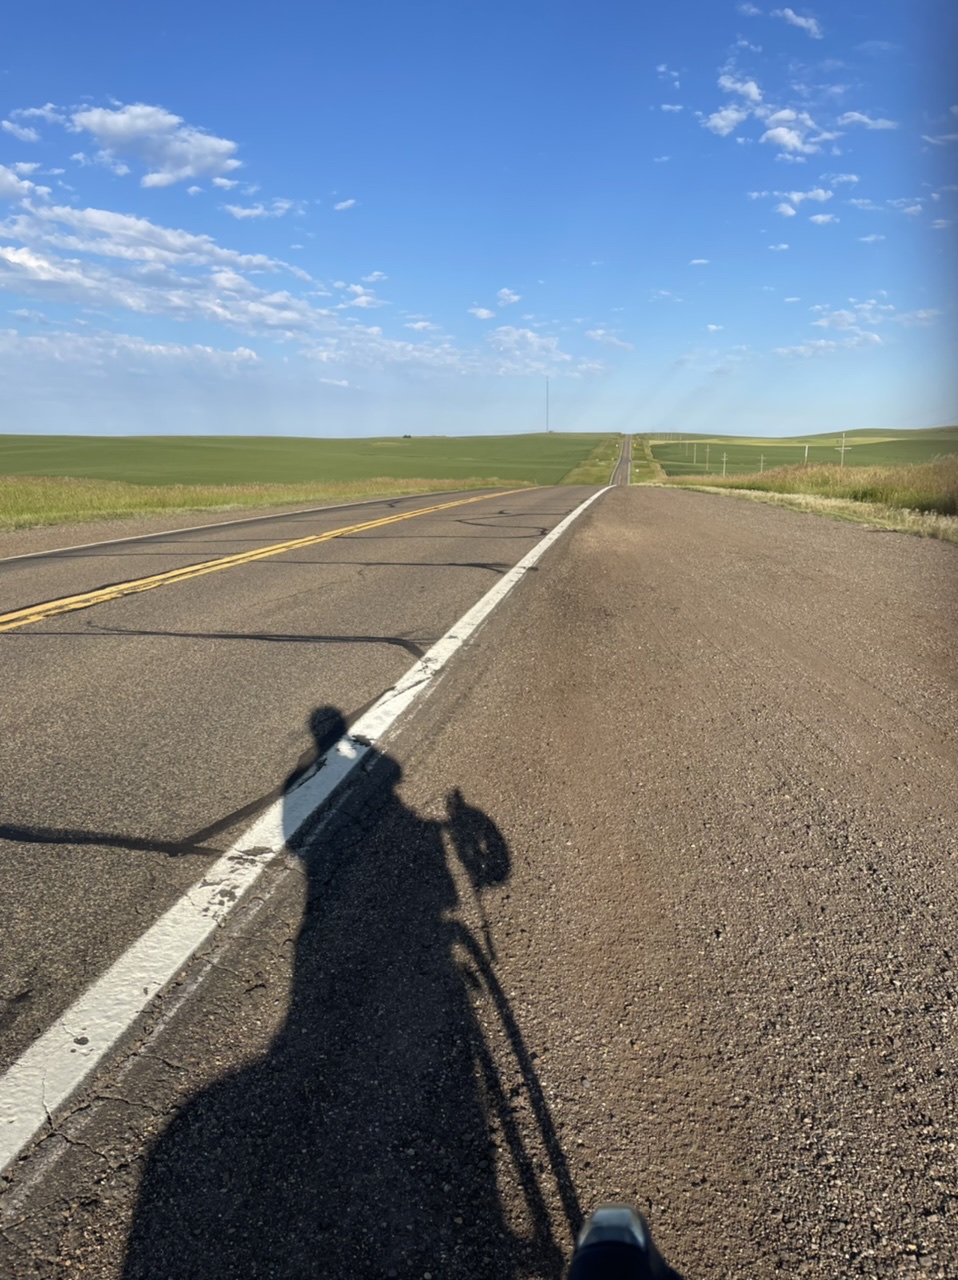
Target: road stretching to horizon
652,897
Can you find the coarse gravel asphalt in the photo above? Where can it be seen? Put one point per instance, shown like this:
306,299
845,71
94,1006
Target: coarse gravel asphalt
654,898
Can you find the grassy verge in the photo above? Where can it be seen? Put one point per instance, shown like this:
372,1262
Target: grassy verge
920,499
597,468
645,469
29,501
929,486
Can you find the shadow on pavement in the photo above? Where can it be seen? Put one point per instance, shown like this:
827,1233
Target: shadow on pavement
372,1137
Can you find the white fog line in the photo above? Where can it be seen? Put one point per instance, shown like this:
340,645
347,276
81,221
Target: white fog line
54,1067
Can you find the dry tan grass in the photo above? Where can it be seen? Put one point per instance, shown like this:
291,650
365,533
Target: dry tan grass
29,501
928,487
879,515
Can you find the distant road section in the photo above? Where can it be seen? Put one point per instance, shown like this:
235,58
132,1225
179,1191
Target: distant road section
623,468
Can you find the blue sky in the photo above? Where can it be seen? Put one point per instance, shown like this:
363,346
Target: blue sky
372,217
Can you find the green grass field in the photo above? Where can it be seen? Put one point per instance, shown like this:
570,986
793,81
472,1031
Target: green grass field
64,479
204,460
702,455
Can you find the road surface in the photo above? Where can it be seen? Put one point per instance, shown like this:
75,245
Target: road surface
653,898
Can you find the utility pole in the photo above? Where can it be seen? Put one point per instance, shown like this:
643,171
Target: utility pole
761,463
707,447
842,448
695,453
806,455
724,460
547,406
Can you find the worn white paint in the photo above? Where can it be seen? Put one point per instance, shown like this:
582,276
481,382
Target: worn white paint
54,1067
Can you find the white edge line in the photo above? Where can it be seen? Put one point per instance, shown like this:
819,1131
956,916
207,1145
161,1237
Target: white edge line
222,524
54,1067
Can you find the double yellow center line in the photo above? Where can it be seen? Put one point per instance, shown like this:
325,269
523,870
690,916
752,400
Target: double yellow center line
67,604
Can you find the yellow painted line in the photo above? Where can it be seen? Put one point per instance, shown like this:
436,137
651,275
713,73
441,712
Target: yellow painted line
67,604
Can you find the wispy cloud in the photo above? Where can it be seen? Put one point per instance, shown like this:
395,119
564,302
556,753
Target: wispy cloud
778,248
482,313
872,239
867,122
374,277
506,297
699,262
343,204
822,218
608,339
276,209
22,132
810,26
671,106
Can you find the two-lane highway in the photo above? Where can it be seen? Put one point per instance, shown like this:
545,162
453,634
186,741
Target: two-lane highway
146,724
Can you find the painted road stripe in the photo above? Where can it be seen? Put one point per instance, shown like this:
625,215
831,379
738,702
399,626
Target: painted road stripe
54,1067
220,524
67,604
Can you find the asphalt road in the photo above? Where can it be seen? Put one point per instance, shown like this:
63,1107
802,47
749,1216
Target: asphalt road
142,734
654,898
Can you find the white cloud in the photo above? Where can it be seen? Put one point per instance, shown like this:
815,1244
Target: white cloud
836,179
940,224
607,339
859,117
15,188
789,140
660,159
506,297
671,106
808,25
277,209
26,167
134,353
172,150
22,132
699,262
374,277
482,313
667,73
335,382
942,140
748,10
822,218
523,351
791,299
422,326
226,184
344,204
748,89
726,121
48,112
778,248
873,239
715,328
194,191
822,346
785,210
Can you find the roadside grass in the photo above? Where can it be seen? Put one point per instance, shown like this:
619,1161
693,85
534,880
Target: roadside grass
645,469
930,486
687,456
597,468
920,499
30,501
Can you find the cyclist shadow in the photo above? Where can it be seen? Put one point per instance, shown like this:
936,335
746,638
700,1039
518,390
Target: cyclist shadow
371,1138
